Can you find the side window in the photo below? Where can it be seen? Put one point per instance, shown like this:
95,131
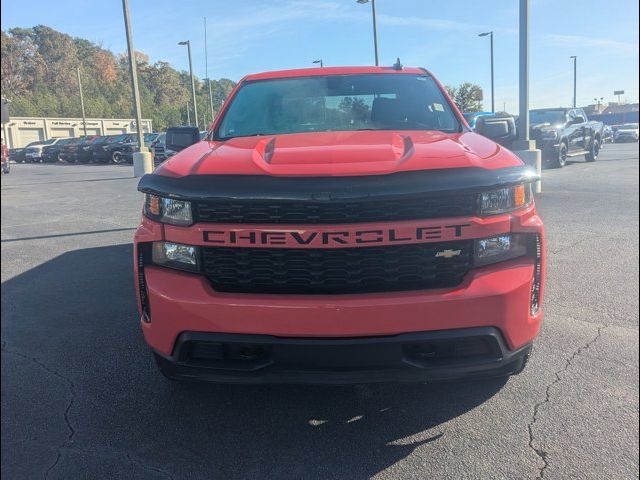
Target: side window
572,116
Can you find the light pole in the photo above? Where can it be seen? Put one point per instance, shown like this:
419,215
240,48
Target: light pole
206,69
375,31
524,147
319,61
142,161
193,83
575,69
490,34
84,118
598,103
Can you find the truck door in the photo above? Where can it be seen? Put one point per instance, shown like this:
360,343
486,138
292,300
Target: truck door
574,132
586,130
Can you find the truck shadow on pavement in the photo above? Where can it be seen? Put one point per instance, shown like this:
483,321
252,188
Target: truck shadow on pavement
91,394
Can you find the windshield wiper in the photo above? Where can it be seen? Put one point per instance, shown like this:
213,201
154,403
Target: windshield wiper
243,135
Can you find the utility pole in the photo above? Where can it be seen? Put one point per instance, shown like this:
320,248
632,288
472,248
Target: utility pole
319,61
142,161
206,70
193,83
490,35
84,119
524,147
575,70
375,29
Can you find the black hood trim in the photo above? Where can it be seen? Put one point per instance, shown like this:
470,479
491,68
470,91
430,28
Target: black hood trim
327,189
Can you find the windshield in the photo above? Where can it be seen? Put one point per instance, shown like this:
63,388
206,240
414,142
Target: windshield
150,137
118,138
553,117
39,142
337,103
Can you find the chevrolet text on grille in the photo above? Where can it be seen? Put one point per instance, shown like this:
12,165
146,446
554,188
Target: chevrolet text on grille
337,237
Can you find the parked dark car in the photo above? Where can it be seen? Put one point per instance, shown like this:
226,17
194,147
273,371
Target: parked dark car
51,153
19,155
471,117
160,151
157,149
95,149
565,132
101,151
113,150
129,149
73,151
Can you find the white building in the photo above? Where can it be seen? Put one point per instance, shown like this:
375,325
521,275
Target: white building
23,130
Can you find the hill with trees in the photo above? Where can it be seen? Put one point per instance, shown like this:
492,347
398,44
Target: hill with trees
39,79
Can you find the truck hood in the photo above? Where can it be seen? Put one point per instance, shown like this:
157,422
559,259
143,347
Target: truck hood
544,127
339,154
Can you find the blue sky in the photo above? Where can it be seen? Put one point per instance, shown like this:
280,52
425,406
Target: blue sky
247,36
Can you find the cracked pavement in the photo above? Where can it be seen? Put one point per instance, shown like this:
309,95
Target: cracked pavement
81,397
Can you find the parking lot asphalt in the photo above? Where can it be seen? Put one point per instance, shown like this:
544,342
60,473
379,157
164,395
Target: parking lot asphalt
81,397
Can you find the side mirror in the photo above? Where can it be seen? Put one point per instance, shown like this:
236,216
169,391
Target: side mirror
499,128
179,138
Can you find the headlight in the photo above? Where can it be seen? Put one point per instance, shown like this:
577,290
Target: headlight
176,255
168,210
501,248
550,135
505,199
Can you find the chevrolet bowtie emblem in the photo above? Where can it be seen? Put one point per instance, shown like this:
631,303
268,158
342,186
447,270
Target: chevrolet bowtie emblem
448,253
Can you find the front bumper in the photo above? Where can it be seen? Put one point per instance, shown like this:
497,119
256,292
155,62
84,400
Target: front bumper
413,357
549,149
496,296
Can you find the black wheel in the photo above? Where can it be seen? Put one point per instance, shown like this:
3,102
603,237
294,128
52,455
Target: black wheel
592,156
117,158
561,157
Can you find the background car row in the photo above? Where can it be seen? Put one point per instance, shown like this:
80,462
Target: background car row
90,149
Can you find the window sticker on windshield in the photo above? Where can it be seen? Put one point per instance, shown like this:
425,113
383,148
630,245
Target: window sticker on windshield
438,107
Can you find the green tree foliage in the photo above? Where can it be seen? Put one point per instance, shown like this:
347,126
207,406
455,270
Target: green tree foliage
468,97
39,78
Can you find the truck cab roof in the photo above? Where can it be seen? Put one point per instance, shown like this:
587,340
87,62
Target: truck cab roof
318,72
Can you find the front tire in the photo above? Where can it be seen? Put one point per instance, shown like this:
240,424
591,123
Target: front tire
594,151
561,157
117,158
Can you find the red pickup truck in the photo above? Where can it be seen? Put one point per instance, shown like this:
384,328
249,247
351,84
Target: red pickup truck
339,225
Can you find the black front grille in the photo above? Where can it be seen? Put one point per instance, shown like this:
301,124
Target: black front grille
338,270
334,212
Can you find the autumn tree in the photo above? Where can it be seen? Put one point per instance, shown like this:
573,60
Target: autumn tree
39,77
468,97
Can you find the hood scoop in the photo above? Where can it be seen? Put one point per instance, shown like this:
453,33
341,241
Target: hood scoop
335,153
